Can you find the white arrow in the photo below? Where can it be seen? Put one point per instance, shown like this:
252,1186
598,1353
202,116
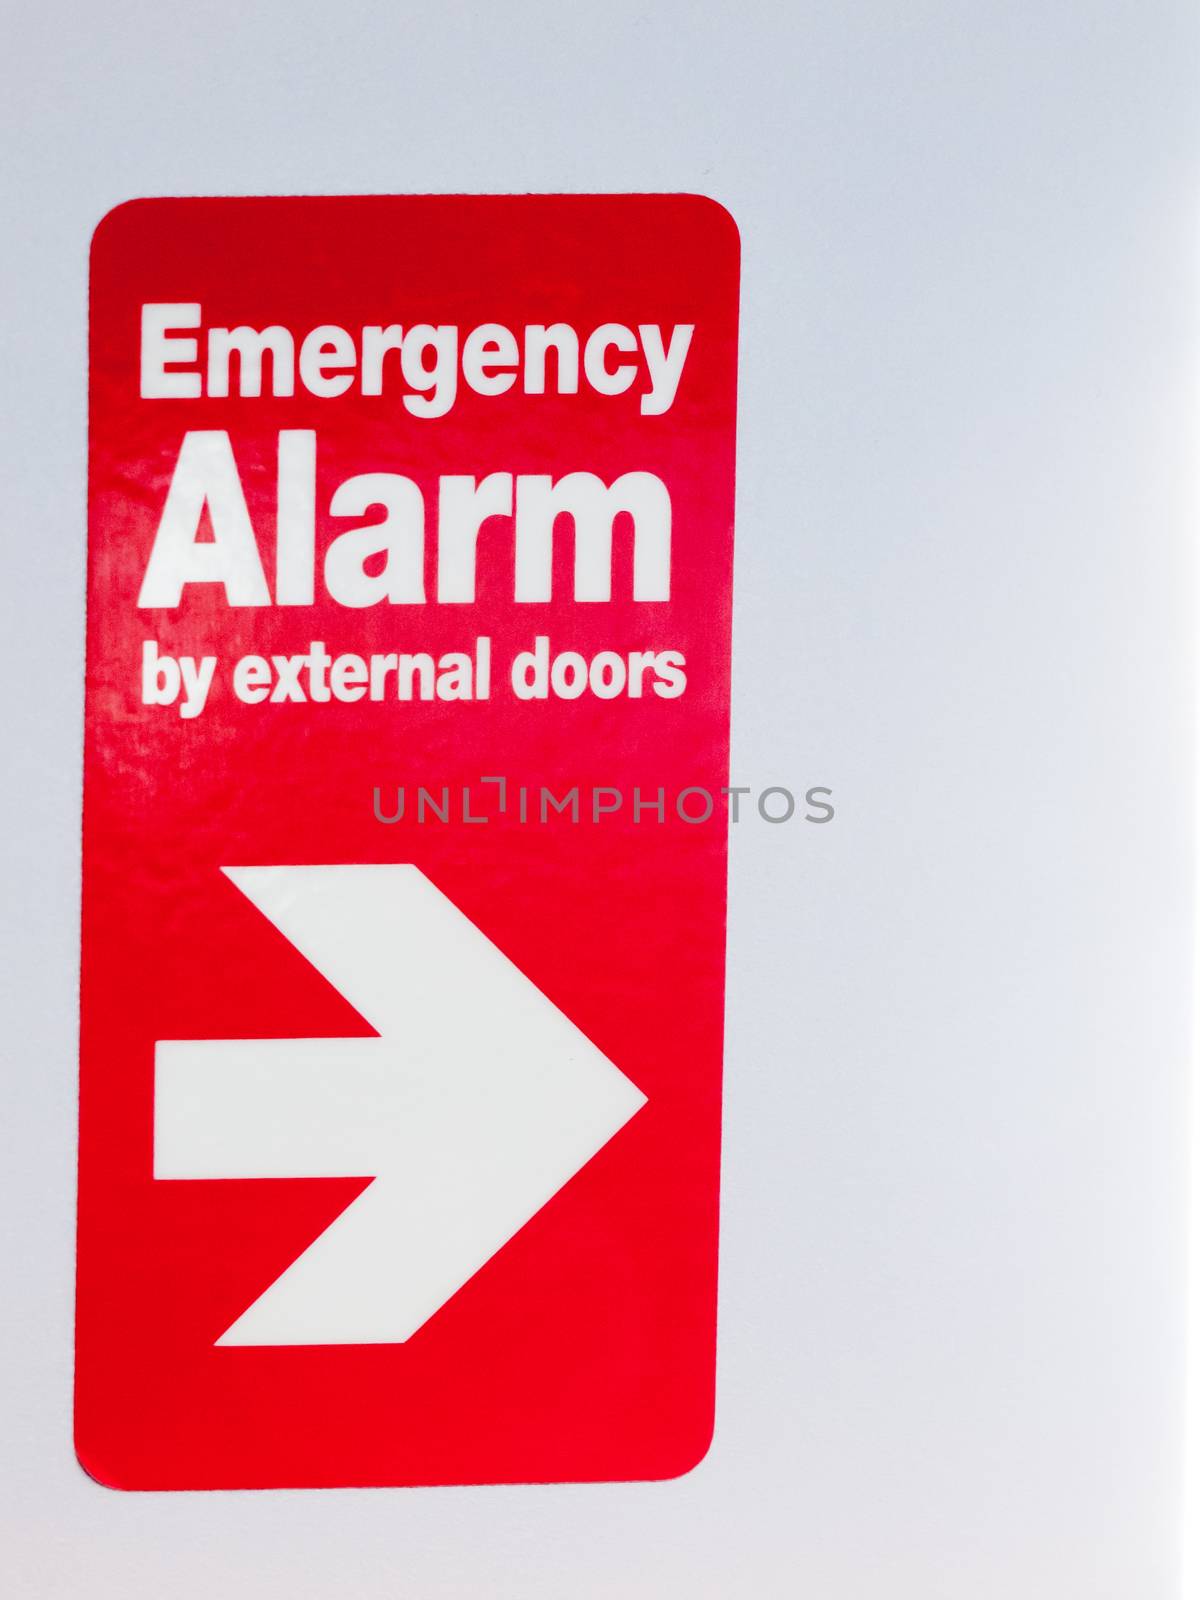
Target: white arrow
476,1104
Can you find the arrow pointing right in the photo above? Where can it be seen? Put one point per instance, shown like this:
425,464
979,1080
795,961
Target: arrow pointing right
476,1104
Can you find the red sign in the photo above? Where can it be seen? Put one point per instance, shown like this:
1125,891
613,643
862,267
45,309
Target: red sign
404,839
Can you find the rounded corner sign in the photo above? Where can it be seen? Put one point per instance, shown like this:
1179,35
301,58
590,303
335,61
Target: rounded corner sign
410,543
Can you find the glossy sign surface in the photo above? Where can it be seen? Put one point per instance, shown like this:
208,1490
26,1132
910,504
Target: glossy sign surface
400,1082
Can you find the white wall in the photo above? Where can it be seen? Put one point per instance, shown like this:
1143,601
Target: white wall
951,1318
